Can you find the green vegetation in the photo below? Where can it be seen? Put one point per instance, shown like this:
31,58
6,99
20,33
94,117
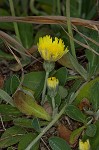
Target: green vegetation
69,56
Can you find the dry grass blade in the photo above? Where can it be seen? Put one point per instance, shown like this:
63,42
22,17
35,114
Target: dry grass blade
82,44
19,62
51,20
17,46
13,43
84,36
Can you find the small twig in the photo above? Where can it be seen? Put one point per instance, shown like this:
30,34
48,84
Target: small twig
67,120
2,123
45,143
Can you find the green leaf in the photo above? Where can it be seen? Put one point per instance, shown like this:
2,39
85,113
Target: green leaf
93,63
36,124
26,34
7,118
78,67
93,59
57,143
76,85
91,130
33,80
23,122
11,136
28,123
57,100
75,8
26,104
62,92
89,10
6,97
28,91
9,110
94,96
61,75
75,134
74,113
65,60
6,56
26,140
11,84
24,7
5,25
85,91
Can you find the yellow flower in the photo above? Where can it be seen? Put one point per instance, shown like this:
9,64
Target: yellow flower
84,145
52,83
51,50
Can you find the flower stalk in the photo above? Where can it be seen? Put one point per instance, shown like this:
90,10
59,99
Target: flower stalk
44,89
53,103
55,109
48,66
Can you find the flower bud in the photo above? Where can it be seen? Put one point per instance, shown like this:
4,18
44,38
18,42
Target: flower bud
52,84
84,145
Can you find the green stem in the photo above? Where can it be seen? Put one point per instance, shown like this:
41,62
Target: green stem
54,109
54,7
58,7
79,7
46,129
44,89
70,28
53,103
13,14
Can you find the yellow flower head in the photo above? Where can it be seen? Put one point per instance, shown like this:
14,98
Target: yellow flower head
52,83
51,50
84,145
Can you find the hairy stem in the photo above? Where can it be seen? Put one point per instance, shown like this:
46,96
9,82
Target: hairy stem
44,89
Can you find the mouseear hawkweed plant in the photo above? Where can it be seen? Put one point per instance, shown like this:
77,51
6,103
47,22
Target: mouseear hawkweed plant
51,51
63,96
